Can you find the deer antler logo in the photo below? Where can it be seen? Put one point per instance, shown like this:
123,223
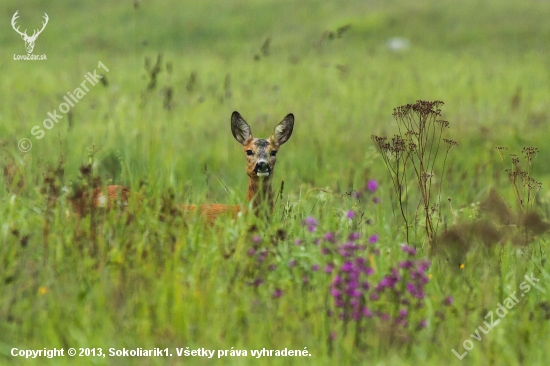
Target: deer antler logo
29,41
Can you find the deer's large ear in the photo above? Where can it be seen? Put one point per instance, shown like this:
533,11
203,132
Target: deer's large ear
240,129
283,130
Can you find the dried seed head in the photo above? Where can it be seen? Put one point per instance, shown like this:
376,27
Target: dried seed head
451,143
444,124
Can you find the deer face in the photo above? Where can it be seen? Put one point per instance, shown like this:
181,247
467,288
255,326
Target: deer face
261,154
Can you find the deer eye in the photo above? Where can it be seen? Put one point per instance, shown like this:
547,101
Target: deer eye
249,152
273,152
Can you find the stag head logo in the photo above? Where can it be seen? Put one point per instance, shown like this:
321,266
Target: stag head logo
29,40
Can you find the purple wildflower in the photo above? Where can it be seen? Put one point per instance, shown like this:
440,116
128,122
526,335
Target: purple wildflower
328,268
251,251
256,239
292,263
408,249
310,220
391,279
353,292
298,242
360,261
315,267
354,236
415,291
367,313
372,185
311,223
373,238
350,214
330,237
343,252
386,282
376,200
262,255
347,267
448,301
423,266
257,282
401,321
277,293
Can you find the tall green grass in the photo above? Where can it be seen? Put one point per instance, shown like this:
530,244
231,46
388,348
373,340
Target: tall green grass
174,283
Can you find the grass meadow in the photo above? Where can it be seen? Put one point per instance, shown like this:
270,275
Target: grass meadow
327,271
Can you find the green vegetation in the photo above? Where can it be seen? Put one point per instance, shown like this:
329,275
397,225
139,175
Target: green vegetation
159,124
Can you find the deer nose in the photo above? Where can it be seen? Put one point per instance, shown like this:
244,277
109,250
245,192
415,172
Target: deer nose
262,168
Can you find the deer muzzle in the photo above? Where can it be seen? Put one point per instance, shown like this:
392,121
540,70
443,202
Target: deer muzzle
262,169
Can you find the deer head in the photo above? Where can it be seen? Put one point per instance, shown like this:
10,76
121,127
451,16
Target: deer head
260,156
261,153
29,41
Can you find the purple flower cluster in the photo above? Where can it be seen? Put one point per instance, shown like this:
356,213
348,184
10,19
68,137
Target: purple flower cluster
392,298
369,189
259,263
417,277
348,288
310,223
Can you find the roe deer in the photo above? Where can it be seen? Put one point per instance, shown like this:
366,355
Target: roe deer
115,194
261,156
260,164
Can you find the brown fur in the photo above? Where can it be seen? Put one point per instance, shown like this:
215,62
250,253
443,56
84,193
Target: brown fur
81,204
211,211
